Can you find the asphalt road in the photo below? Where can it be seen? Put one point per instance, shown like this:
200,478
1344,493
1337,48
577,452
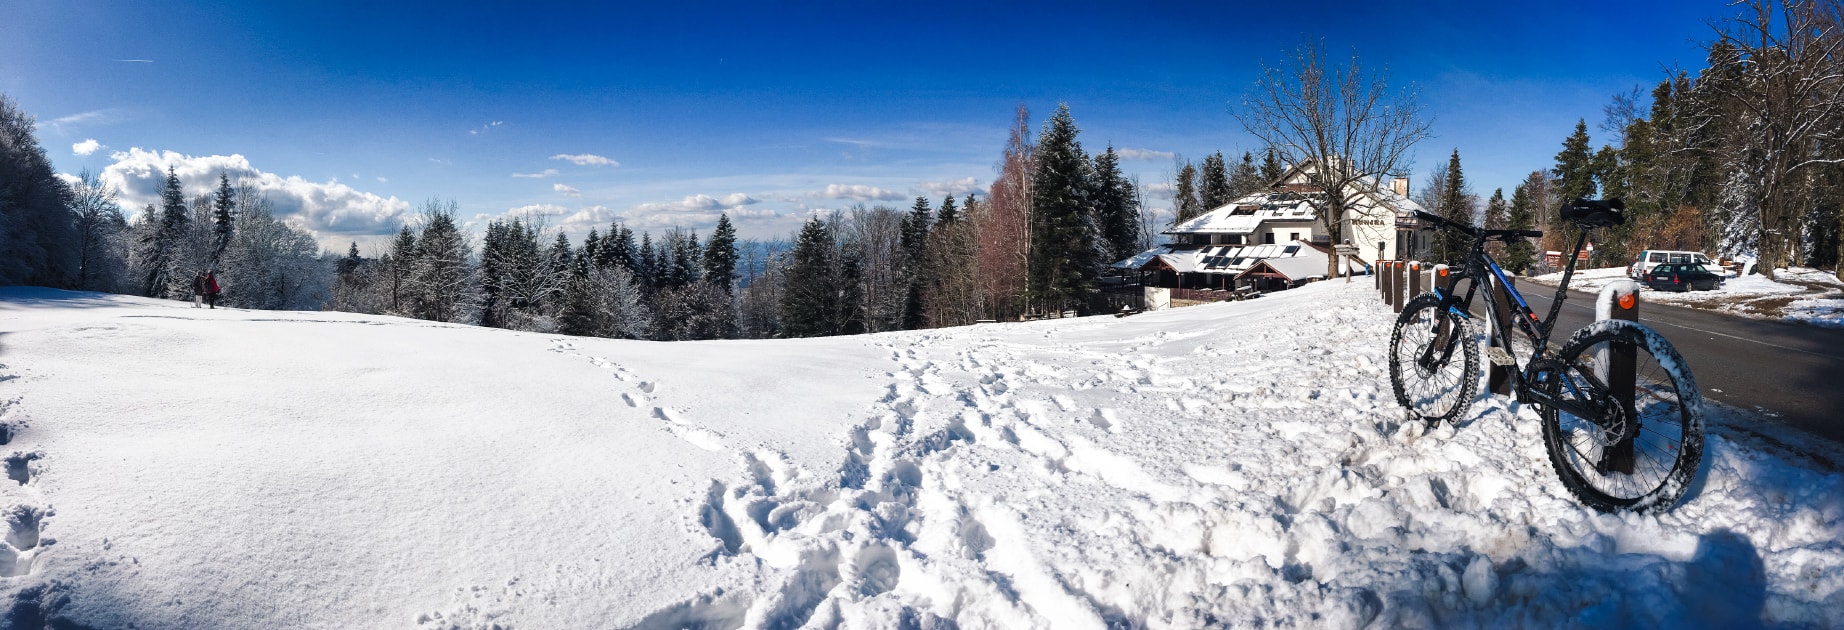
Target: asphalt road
1793,372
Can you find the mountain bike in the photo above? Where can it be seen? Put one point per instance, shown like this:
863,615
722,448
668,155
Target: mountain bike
1621,412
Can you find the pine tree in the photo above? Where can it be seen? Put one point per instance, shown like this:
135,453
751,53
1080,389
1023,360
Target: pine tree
1575,165
810,301
1245,178
442,280
647,263
1496,212
592,248
1216,187
1185,203
162,276
913,262
1456,205
1520,254
1271,169
1064,259
720,256
949,214
1117,207
223,220
403,260
617,248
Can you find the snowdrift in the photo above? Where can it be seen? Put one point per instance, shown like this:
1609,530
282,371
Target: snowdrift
1233,464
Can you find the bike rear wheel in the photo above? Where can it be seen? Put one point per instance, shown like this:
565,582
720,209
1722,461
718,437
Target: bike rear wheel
1627,458
1433,360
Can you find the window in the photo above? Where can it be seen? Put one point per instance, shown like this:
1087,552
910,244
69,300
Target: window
1293,236
1267,239
1657,257
1290,250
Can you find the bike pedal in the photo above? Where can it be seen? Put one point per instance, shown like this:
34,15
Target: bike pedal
1498,356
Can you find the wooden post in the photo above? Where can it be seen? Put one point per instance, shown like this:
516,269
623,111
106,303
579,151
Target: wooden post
1498,377
1395,286
1414,281
1622,381
1383,279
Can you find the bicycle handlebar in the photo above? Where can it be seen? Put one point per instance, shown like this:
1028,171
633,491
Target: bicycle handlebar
1506,235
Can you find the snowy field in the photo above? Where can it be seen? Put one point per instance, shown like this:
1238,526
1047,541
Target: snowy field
1237,464
1811,296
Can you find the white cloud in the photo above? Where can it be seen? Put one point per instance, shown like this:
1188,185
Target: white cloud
383,180
586,159
861,192
537,210
331,210
88,146
1144,154
694,212
738,199
1159,189
955,187
549,172
566,190
485,127
100,117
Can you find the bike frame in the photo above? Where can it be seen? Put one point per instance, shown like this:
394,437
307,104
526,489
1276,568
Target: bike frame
1479,263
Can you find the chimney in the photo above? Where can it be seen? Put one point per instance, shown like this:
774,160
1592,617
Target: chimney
1400,185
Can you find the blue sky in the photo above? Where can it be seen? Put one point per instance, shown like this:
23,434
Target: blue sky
350,114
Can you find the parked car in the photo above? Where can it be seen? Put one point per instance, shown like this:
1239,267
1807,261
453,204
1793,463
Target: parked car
1642,266
1682,277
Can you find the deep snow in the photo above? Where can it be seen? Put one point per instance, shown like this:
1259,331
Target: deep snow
1229,464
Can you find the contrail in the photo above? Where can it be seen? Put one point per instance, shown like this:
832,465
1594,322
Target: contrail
136,60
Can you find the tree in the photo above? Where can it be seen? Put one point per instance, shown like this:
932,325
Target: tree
1345,120
1216,188
442,282
402,261
810,303
102,255
913,262
268,264
38,236
223,220
1004,223
1117,208
949,213
1245,178
1519,254
1791,99
1271,168
1450,246
1186,204
161,246
1065,244
720,256
1574,179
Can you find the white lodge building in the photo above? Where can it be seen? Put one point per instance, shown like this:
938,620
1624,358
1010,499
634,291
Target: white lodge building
1273,239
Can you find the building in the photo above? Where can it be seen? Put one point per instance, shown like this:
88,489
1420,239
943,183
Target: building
1272,239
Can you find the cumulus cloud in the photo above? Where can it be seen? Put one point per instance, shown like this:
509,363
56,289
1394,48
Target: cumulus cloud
861,192
1144,154
88,146
955,187
331,210
537,210
566,190
694,211
585,159
549,172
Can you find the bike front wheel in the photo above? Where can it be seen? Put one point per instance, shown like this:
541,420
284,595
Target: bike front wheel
1643,441
1433,360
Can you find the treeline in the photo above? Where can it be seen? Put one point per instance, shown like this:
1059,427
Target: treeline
73,235
1197,189
1742,158
1048,228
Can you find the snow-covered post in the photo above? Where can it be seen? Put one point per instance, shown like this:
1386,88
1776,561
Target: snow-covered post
1619,300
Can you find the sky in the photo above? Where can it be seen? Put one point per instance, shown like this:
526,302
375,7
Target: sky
350,116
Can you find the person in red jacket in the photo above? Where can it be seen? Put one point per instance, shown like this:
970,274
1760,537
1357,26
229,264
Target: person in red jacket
211,288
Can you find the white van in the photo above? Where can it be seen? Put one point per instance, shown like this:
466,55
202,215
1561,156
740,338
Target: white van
1653,257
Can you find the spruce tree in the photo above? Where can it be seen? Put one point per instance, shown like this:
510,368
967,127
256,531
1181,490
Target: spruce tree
720,256
913,240
949,214
1117,208
442,279
809,303
617,248
1271,168
403,260
1064,259
1185,202
646,264
223,216
1245,178
561,255
591,252
1450,246
1216,187
163,246
1575,165
1520,254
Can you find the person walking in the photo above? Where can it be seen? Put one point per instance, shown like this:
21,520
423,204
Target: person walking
211,288
198,289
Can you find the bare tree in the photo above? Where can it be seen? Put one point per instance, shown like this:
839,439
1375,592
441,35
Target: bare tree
1344,120
1792,97
1004,223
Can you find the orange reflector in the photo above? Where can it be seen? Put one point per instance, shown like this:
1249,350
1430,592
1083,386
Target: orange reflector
1443,272
1626,301
1533,317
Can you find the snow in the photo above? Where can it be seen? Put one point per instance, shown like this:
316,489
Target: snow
1236,464
1809,296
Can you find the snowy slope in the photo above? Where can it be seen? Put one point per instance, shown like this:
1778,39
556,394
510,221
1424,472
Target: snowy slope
1231,464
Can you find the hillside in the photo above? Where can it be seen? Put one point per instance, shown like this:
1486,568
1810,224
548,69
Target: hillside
1237,463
